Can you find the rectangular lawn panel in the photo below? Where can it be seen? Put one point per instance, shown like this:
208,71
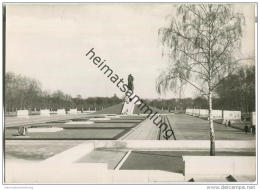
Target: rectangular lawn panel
80,134
193,128
154,160
95,125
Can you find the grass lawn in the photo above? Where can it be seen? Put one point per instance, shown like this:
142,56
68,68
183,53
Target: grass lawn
193,128
116,109
95,125
88,134
154,160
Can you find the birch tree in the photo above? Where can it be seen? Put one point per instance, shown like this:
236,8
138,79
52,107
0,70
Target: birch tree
200,42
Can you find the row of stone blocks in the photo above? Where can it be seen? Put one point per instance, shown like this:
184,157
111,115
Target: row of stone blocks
46,112
217,114
225,115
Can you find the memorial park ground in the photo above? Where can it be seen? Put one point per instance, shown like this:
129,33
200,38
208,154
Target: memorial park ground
117,141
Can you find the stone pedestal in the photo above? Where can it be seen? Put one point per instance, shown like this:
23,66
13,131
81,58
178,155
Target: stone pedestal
23,113
61,112
231,116
45,112
217,114
253,118
128,108
73,111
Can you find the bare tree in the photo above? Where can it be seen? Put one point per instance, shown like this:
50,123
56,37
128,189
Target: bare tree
201,41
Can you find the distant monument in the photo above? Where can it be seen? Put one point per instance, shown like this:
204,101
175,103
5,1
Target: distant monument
130,85
130,82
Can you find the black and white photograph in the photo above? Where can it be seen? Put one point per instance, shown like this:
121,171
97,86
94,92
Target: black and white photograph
130,93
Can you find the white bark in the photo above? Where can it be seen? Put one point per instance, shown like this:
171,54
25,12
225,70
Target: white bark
212,132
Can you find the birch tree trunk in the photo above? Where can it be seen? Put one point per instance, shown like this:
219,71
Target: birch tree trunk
212,133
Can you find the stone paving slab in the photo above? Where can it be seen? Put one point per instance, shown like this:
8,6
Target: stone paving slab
146,130
110,156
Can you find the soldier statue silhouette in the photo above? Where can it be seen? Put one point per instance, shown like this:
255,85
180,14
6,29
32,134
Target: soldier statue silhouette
130,84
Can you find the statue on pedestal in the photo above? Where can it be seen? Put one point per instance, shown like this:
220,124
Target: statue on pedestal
128,107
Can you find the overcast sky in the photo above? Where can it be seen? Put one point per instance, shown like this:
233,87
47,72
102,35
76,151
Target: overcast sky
49,43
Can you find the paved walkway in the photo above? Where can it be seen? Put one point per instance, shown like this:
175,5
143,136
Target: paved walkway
186,127
146,130
192,128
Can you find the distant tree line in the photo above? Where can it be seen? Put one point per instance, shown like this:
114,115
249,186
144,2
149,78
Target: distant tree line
178,104
26,93
237,92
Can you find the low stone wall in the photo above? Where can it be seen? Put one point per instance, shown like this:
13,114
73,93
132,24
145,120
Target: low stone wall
189,111
231,115
208,166
61,112
196,112
204,113
217,114
253,118
23,113
45,112
73,111
225,115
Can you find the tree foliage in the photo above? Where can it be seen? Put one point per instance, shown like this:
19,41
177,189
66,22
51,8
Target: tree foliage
200,42
26,93
237,92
